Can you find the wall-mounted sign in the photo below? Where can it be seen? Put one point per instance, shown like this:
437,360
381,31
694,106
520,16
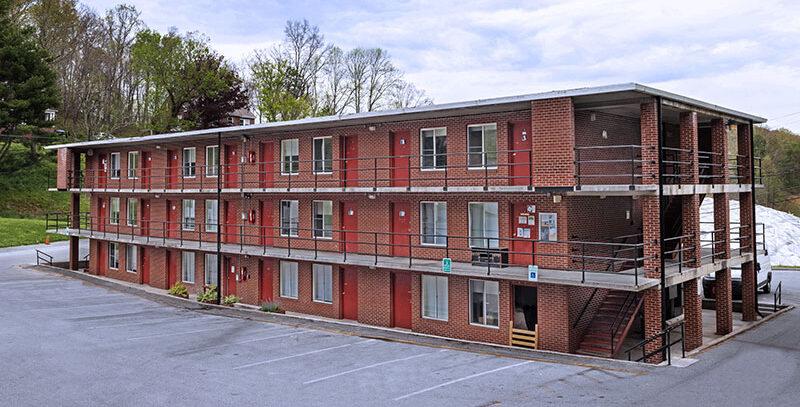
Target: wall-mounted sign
447,264
531,208
533,273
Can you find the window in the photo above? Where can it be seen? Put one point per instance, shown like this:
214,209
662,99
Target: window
483,229
290,156
133,212
323,155
212,206
133,164
289,279
484,302
433,143
115,165
189,161
188,214
548,227
323,283
482,145
113,256
245,122
323,219
433,223
130,258
210,270
187,267
212,161
289,218
113,210
434,297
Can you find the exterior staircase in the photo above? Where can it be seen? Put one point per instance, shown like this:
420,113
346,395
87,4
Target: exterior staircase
611,324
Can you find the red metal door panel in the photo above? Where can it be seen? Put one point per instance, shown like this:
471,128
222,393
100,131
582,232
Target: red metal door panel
267,231
101,215
145,225
231,228
173,166
147,165
173,219
172,268
520,157
350,226
265,291
522,246
144,264
401,300
102,171
231,167
230,277
267,166
350,293
401,227
102,258
350,154
401,149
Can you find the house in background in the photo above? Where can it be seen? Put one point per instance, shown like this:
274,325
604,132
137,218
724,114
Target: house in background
240,117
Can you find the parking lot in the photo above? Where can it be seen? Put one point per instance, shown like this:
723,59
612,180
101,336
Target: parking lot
67,342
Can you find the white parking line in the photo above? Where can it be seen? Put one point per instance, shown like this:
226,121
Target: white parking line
195,350
264,362
180,319
24,300
82,306
192,332
472,376
372,365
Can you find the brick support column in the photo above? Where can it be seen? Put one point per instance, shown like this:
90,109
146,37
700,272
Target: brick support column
652,264
553,319
652,322
688,141
748,225
719,148
692,315
553,132
74,223
648,119
723,290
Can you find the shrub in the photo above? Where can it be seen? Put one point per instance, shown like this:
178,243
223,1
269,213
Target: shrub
179,290
209,295
230,300
272,306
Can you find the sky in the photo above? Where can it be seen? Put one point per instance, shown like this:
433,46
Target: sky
741,54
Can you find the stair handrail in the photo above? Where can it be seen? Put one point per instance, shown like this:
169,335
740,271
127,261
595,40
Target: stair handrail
585,307
666,344
42,256
630,299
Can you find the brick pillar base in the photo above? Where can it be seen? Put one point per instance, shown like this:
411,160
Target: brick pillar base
553,317
74,252
692,315
749,296
724,304
652,322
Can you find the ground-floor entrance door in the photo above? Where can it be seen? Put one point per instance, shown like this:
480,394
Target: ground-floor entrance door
524,311
172,268
144,264
230,269
349,293
401,300
265,290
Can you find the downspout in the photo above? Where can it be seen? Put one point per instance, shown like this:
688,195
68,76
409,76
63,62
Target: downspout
753,209
219,216
662,213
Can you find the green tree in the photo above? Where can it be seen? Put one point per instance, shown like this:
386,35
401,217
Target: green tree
276,84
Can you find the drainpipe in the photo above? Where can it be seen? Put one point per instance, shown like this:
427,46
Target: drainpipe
753,209
219,224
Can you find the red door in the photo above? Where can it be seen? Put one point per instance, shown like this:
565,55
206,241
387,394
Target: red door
522,247
147,164
265,291
231,167
231,230
101,215
173,219
145,225
350,293
267,166
266,223
520,157
400,151
102,258
401,300
102,171
144,264
173,165
401,227
350,173
172,268
349,222
230,277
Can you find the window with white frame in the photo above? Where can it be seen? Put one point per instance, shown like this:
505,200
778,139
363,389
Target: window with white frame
133,212
290,156
245,122
113,255
131,259
433,223
188,214
212,207
323,283
187,267
113,210
212,161
484,302
210,269
483,225
482,145
323,155
288,279
290,218
548,227
115,165
133,164
323,219
433,145
189,162
434,297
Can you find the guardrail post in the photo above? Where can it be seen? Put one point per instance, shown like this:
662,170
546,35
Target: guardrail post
375,240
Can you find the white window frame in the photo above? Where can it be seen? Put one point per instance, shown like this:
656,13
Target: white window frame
494,242
135,252
135,210
483,147
436,153
441,284
114,166
113,255
113,214
436,222
289,276
554,227
327,229
484,311
188,263
210,272
212,167
212,220
133,158
324,159
293,165
185,225
189,168
322,274
292,226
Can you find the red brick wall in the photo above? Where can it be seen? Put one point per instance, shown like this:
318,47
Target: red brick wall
553,128
619,130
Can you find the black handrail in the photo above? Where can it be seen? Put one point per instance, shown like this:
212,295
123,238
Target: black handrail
42,256
585,307
776,297
666,344
630,300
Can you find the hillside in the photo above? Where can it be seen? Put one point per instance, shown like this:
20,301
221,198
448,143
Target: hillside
23,192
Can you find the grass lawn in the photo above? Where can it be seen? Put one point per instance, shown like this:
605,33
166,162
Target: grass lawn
18,232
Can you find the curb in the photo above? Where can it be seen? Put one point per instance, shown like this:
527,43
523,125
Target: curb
725,337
